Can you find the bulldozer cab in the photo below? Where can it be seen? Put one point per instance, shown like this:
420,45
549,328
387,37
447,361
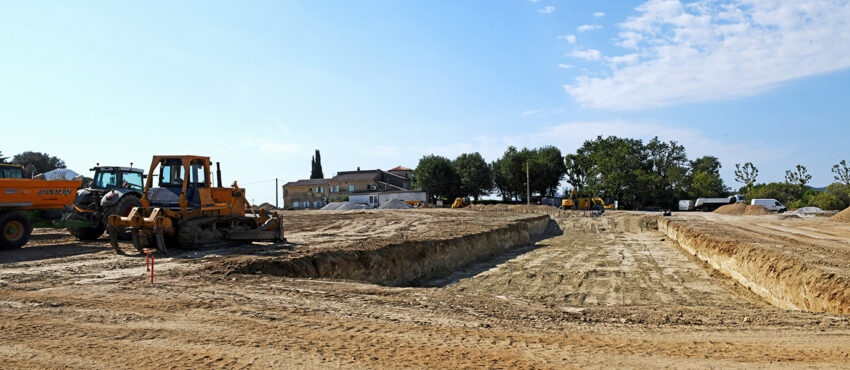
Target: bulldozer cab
181,182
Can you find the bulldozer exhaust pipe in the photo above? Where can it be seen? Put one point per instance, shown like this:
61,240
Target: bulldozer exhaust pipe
218,173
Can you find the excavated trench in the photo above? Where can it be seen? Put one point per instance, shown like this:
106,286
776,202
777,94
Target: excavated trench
410,262
779,280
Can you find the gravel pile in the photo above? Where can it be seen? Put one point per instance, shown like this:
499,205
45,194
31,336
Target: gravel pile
332,206
809,211
348,206
394,204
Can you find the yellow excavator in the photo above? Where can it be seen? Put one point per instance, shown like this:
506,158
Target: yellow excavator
185,211
586,203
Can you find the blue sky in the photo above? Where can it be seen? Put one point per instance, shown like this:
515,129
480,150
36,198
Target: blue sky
258,86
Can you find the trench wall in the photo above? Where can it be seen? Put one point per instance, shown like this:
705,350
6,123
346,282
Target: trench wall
779,279
408,262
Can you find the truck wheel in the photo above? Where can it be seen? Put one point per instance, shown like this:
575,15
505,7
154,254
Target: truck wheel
15,230
122,208
86,233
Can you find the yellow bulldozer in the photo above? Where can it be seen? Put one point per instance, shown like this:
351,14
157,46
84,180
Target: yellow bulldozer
185,211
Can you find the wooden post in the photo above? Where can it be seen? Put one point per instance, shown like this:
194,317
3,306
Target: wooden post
275,193
527,183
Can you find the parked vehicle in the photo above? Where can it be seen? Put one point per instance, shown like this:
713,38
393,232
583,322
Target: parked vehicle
770,204
28,203
710,204
114,191
687,205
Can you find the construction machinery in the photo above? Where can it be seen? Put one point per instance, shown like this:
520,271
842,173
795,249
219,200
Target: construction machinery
28,203
185,211
460,202
114,191
11,171
584,203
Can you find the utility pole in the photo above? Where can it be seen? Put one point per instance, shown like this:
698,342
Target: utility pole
275,193
527,184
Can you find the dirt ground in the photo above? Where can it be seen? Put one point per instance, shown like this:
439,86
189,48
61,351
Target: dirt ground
615,299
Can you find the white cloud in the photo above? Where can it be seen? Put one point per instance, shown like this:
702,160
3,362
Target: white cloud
599,14
708,50
547,9
570,38
588,27
624,59
564,66
533,1
589,54
530,112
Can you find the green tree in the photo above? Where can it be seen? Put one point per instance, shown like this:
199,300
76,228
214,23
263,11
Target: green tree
2,158
799,176
476,177
746,174
316,167
437,177
842,172
547,169
704,180
509,173
841,191
668,167
708,164
826,201
35,163
576,167
618,170
706,185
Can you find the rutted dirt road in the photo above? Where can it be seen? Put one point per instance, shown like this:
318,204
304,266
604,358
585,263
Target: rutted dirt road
611,269
66,304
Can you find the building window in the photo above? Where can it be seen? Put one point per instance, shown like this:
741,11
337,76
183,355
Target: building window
294,204
351,188
315,204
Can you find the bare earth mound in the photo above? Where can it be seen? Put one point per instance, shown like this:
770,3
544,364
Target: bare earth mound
756,211
843,216
741,209
732,209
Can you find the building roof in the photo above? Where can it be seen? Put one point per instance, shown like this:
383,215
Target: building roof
307,182
357,175
400,168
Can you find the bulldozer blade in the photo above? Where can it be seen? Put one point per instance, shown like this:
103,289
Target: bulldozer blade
160,240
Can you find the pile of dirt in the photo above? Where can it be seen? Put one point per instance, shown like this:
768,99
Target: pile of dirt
843,216
742,209
756,211
732,209
394,204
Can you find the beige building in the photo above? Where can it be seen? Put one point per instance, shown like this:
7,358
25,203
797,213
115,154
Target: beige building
316,193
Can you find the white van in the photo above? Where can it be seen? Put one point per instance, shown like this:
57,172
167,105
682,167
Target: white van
770,204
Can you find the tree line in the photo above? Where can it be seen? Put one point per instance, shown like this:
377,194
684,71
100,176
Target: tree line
794,192
635,173
34,163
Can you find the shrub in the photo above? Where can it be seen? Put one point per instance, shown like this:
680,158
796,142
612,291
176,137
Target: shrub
827,202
